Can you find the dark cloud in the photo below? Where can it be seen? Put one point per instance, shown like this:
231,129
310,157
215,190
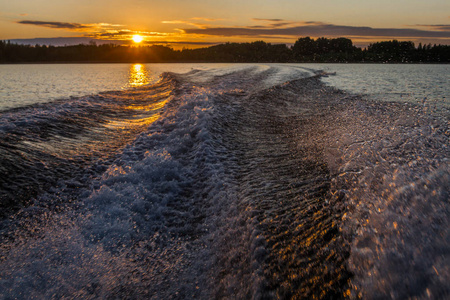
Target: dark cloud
58,25
437,27
280,24
121,34
257,27
268,20
314,23
319,29
113,34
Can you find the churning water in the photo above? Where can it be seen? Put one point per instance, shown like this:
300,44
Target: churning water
224,181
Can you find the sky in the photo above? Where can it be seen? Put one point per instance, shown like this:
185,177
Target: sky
199,23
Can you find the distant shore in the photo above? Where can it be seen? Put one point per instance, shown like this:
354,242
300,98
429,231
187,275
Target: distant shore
213,62
305,50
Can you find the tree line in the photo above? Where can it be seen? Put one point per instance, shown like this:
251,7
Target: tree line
305,49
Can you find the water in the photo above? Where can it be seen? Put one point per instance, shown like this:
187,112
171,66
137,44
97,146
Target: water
28,84
402,83
22,85
227,181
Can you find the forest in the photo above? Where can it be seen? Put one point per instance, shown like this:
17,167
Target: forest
305,49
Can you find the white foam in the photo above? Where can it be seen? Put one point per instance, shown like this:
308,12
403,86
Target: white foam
168,209
145,203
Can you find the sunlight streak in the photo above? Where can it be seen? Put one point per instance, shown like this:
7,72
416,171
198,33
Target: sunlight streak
138,75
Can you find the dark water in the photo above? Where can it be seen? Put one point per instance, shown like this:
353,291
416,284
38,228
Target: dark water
65,143
247,182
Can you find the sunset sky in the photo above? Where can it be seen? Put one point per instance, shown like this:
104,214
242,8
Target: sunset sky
194,23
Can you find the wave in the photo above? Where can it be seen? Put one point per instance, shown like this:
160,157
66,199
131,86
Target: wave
70,140
245,184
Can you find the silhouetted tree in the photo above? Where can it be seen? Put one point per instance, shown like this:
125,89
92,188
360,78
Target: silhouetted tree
324,50
305,49
391,51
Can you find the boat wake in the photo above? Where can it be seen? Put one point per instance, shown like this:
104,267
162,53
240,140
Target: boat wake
260,182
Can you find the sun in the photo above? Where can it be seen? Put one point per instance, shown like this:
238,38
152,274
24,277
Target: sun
137,38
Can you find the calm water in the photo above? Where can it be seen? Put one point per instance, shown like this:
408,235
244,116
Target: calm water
224,181
403,83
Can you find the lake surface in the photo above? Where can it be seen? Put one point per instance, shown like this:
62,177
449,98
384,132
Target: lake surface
211,181
403,83
22,85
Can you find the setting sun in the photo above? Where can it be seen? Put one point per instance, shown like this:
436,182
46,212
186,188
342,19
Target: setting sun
137,38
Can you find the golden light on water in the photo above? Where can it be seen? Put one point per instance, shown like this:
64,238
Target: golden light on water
137,38
138,75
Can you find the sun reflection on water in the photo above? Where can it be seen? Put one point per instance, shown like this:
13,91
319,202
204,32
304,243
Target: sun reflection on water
138,75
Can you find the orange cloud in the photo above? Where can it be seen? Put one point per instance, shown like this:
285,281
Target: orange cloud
267,29
206,19
97,30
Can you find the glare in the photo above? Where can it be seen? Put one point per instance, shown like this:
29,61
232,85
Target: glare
138,75
137,38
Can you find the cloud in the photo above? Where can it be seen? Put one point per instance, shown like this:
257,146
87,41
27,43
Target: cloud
316,29
198,25
281,23
96,30
96,27
175,22
57,25
436,27
120,33
192,22
206,19
273,23
268,20
279,29
126,34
